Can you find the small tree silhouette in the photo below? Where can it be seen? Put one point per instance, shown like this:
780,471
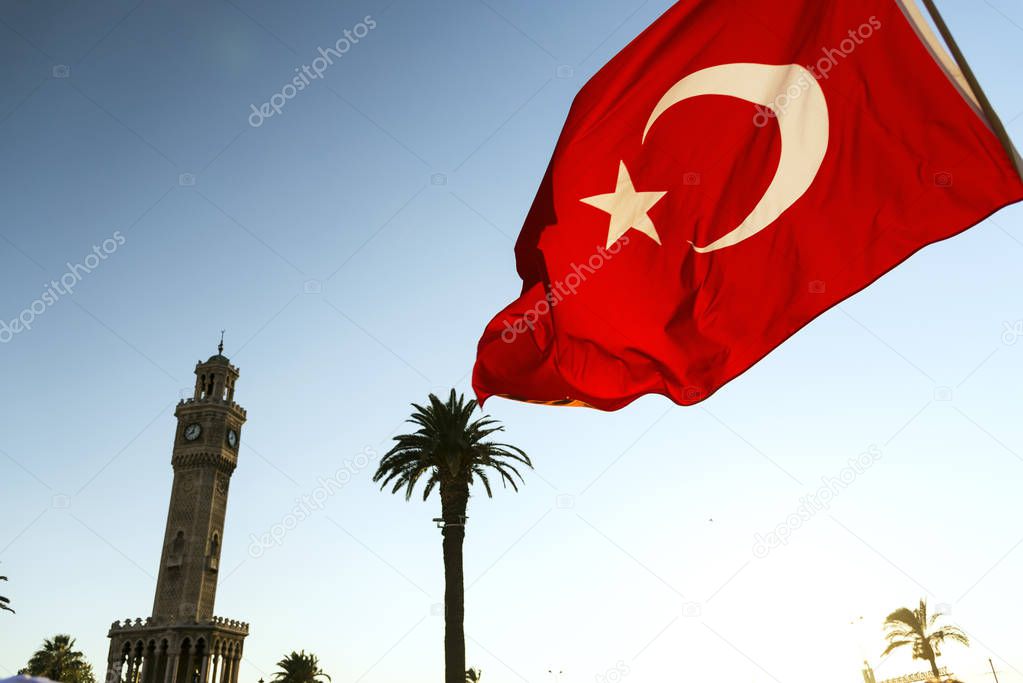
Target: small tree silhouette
299,667
916,628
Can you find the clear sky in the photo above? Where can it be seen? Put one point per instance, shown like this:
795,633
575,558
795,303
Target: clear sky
353,246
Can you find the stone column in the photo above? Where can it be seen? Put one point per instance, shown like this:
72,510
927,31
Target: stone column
235,666
229,669
145,664
190,664
129,669
214,663
172,667
204,667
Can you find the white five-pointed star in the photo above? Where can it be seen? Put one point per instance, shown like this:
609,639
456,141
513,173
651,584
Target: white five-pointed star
627,207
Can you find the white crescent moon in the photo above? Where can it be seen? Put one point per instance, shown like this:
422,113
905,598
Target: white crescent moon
795,97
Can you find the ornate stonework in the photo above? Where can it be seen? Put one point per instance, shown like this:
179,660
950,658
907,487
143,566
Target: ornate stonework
182,642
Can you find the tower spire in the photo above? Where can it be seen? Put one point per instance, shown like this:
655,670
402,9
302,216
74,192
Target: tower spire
220,346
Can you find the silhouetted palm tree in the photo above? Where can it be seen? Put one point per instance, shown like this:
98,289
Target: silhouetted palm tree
450,451
299,667
58,660
5,602
915,628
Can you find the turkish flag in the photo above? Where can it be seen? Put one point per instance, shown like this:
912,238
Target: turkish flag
735,171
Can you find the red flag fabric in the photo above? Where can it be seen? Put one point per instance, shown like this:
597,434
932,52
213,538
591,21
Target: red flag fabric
735,171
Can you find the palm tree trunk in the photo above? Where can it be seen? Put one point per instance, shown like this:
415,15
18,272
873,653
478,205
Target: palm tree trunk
934,667
454,498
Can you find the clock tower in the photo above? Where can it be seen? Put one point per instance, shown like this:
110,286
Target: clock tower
183,642
204,456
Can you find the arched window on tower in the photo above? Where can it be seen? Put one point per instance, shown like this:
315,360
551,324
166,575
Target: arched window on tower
214,560
124,667
177,550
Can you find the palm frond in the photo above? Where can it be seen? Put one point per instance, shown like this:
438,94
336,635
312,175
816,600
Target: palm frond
950,633
478,471
5,602
901,632
895,644
905,617
448,446
430,484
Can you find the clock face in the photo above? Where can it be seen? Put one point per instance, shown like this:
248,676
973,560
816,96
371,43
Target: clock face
193,431
232,438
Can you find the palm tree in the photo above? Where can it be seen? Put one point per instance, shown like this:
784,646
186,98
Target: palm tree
5,602
450,451
299,667
59,661
914,627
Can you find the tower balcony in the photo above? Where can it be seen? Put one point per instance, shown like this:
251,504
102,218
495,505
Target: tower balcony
139,625
226,403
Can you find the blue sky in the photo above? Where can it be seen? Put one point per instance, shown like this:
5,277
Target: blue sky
353,247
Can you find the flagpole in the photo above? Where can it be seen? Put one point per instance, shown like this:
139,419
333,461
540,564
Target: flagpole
971,78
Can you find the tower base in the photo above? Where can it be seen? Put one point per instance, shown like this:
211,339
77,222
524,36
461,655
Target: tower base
165,651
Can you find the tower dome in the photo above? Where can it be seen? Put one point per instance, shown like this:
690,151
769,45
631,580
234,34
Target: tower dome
215,378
